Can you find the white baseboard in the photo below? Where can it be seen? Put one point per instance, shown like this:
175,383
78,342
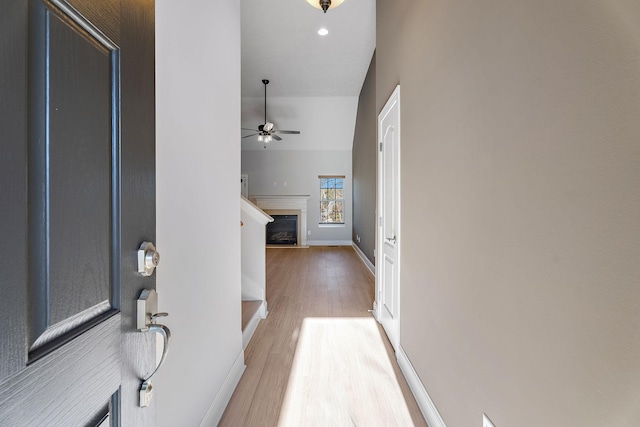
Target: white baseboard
329,242
261,313
264,311
427,407
369,264
219,404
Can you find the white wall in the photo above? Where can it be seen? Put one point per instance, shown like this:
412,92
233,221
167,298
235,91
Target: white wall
287,172
198,124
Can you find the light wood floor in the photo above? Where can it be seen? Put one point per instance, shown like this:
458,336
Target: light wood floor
318,282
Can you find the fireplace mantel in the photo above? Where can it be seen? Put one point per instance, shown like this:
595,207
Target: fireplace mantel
274,203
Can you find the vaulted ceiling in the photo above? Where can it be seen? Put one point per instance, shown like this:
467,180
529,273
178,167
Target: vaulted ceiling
280,42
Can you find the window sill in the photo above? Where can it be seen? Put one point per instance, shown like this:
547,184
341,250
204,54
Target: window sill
331,225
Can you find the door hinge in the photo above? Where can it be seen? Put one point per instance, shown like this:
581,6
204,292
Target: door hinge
381,146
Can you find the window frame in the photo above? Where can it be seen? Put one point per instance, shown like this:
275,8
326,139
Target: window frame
335,199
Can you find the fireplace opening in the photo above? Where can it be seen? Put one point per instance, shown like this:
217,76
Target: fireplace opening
283,230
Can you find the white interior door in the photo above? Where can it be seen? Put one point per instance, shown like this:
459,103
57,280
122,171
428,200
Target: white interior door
387,265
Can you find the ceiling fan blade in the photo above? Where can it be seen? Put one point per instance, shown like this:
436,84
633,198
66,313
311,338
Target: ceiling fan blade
249,135
255,130
291,132
276,137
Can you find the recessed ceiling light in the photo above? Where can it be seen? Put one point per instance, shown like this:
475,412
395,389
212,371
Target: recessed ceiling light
323,31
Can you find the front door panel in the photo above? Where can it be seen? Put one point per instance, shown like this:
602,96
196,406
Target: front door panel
77,199
71,159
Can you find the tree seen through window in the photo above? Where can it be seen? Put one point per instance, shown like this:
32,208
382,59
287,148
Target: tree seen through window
331,199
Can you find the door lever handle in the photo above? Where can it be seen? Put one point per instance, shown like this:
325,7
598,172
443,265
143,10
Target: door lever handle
391,239
166,337
146,322
146,389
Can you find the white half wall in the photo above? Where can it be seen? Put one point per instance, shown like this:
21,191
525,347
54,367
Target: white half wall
199,277
253,231
288,172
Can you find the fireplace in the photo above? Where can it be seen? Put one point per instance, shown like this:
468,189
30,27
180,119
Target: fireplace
283,230
287,205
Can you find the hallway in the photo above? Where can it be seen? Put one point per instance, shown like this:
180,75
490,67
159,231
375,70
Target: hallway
319,282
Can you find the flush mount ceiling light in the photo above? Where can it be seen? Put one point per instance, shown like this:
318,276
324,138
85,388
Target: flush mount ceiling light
325,4
323,31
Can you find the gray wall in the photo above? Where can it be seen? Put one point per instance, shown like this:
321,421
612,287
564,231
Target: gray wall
520,265
295,172
364,166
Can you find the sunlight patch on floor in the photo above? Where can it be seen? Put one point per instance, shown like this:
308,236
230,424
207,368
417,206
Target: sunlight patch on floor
342,376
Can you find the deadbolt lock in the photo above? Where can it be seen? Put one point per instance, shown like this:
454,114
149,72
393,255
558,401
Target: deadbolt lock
148,258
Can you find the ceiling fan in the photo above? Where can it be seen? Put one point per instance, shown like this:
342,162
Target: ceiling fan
266,131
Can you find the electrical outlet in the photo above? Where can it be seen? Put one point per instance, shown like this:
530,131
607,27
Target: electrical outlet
308,232
486,422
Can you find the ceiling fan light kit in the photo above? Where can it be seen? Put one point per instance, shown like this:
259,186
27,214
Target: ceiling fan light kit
266,132
325,4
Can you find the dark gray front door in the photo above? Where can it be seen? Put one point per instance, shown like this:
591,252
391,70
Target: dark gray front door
77,197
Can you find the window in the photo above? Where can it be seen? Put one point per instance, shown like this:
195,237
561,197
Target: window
331,199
